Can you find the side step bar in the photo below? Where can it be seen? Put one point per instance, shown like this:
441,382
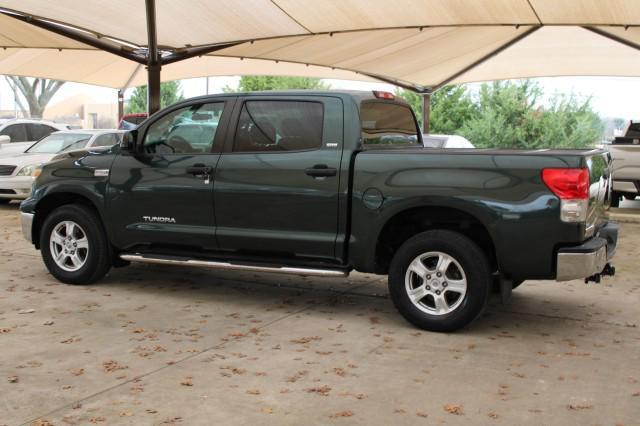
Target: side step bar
163,260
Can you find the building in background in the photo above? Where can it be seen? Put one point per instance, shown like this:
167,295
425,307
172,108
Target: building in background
82,111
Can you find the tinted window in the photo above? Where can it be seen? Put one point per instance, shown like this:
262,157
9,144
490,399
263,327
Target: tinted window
279,126
188,130
59,142
39,131
108,139
387,124
17,132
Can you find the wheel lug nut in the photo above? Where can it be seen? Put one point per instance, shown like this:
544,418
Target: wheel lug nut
438,292
438,274
428,277
444,284
428,288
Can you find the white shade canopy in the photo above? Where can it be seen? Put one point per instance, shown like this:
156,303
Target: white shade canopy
418,44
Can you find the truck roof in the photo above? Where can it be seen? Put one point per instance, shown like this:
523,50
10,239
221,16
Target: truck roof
357,95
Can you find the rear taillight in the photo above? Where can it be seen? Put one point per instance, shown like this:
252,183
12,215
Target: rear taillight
383,95
572,187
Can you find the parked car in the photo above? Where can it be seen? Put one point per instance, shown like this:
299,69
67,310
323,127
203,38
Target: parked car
18,171
16,135
625,152
323,183
131,121
445,141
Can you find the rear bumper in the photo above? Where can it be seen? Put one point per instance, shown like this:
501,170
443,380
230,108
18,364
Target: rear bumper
630,186
590,258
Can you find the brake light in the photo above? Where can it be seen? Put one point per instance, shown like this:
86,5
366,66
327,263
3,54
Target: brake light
567,184
572,187
383,95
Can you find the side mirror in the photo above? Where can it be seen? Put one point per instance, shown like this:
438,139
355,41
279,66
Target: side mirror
129,141
4,139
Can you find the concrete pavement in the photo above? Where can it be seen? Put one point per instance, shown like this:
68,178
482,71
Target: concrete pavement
163,345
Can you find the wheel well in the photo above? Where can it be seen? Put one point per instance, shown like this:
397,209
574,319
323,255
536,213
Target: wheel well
410,222
52,202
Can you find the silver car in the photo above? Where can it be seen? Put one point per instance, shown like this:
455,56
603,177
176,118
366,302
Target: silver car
18,171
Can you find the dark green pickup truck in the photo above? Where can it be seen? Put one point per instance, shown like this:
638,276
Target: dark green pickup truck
323,183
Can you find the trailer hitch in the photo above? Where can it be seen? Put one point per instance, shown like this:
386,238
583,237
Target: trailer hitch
609,270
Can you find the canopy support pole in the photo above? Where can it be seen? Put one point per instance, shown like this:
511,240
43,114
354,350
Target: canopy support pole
426,112
120,104
154,65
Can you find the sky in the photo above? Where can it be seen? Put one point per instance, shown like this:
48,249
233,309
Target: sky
612,97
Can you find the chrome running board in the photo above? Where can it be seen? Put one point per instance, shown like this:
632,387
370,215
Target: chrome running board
165,260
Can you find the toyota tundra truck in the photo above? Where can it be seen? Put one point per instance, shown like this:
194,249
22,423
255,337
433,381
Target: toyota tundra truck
324,183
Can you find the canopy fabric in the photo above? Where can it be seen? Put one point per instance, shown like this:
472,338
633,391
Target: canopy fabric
421,44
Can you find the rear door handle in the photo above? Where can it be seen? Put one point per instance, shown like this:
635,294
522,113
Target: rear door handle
321,170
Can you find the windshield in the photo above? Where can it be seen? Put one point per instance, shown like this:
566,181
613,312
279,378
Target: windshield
59,142
385,123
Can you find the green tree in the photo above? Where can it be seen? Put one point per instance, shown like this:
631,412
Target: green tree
510,115
255,83
170,93
451,107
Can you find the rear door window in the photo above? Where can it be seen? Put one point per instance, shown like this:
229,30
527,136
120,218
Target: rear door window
275,126
385,123
39,131
17,132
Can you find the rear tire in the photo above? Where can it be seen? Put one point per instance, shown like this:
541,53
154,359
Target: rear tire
74,245
615,199
440,280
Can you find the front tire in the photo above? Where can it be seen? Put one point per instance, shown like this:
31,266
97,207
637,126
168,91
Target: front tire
440,280
74,245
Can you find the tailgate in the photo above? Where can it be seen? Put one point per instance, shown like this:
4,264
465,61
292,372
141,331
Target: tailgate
600,181
626,161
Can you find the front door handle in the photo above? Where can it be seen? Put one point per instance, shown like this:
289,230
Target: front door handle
199,170
321,170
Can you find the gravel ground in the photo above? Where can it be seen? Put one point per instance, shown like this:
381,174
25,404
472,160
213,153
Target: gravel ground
163,345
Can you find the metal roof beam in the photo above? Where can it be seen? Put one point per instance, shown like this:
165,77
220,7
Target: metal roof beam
488,56
77,35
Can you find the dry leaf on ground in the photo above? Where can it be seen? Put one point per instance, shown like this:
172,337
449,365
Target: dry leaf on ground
456,409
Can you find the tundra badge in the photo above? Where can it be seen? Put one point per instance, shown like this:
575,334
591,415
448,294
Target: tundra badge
156,219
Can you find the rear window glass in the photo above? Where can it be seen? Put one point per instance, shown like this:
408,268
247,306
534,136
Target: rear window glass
59,142
387,124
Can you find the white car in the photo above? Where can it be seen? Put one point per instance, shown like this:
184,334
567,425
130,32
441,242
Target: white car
17,172
16,135
445,141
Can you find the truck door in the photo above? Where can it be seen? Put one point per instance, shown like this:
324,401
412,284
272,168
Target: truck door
162,195
277,183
